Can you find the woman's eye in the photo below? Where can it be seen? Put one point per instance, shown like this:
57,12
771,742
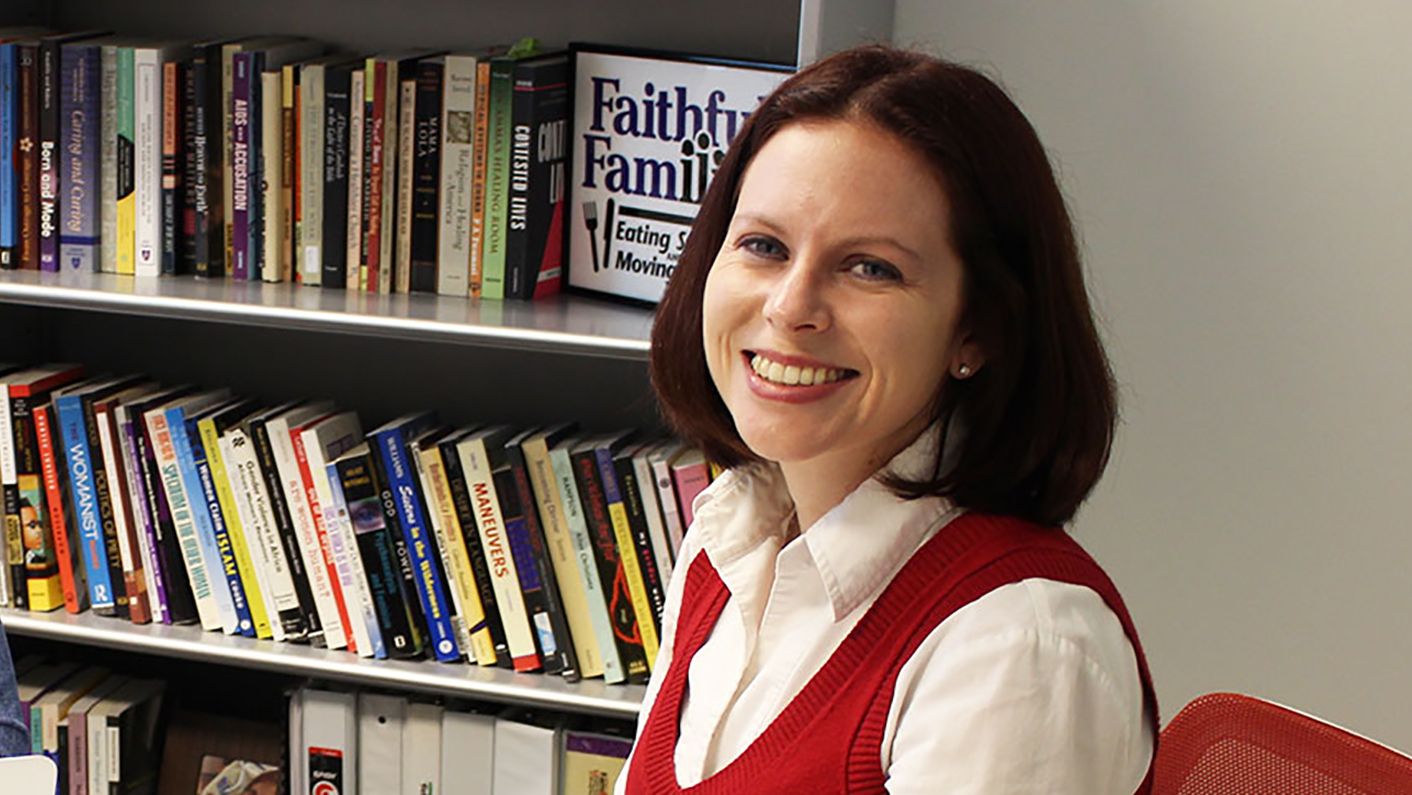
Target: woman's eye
876,270
763,246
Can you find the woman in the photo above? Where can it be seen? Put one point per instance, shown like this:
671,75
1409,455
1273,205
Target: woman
879,325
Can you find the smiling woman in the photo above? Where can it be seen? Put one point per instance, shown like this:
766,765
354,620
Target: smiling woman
879,325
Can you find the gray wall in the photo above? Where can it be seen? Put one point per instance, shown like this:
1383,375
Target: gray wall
1242,176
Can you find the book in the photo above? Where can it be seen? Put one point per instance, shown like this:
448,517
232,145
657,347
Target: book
472,629
596,595
480,570
79,129
211,535
173,185
27,156
383,143
289,172
208,182
653,581
50,119
277,509
652,510
592,762
12,573
147,66
175,595
337,109
128,568
690,477
71,573
312,79
406,159
481,453
497,177
391,443
75,731
9,173
248,588
534,237
113,168
627,635
480,153
392,601
660,458
614,494
436,177
559,545
123,731
46,713
526,534
357,238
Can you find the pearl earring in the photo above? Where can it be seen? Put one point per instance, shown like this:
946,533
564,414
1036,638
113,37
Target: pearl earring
964,371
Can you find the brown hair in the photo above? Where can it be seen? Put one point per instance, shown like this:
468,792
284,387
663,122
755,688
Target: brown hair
1027,435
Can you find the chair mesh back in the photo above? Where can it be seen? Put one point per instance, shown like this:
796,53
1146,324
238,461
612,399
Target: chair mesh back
1227,744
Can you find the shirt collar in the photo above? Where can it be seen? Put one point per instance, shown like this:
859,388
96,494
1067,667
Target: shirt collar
857,546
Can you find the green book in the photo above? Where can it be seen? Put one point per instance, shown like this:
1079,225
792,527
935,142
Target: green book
497,166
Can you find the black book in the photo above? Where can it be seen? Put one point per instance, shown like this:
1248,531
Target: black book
181,603
605,552
363,497
516,525
208,188
338,82
173,171
539,112
642,540
426,175
186,163
284,523
465,515
563,644
408,573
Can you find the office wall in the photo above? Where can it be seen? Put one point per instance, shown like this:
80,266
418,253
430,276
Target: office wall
1242,175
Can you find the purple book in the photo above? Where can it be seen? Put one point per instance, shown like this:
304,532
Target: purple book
77,211
146,524
240,165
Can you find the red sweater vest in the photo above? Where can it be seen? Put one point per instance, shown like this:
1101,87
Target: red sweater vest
829,738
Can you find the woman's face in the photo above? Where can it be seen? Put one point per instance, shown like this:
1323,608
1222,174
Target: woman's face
830,312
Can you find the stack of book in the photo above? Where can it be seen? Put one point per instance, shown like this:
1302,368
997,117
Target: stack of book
270,159
538,549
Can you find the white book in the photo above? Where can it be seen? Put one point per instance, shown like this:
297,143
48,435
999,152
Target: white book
118,493
357,113
421,750
526,758
271,167
380,732
477,466
328,748
656,525
406,163
467,752
320,444
567,488
108,154
661,459
458,111
181,507
252,502
311,167
147,153
439,515
316,565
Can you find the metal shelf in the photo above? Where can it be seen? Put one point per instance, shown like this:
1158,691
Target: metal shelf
570,324
591,696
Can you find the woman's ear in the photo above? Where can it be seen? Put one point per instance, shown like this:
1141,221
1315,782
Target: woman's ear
968,357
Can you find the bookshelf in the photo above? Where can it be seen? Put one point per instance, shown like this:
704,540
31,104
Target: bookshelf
570,357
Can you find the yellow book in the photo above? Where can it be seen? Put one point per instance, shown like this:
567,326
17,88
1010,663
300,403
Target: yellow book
622,533
470,620
572,590
245,565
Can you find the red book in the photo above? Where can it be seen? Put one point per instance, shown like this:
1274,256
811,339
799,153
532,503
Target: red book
75,590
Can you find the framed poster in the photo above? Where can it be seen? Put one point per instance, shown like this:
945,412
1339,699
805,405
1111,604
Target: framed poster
649,130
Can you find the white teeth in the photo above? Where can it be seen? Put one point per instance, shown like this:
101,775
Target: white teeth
793,375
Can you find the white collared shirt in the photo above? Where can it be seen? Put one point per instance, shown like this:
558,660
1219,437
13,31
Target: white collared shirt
1032,688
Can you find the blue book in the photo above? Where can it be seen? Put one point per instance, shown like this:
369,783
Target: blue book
391,443
84,495
245,625
9,175
201,516
79,181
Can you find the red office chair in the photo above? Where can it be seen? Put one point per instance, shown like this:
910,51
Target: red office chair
1228,744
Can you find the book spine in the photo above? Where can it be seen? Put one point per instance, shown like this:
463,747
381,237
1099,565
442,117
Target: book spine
289,167
391,147
181,601
626,633
223,94
209,256
357,179
190,170
480,157
667,499
336,109
108,157
253,504
38,557
144,524
560,552
171,171
272,169
557,623
534,244
321,584
367,515
652,581
406,163
130,569
85,504
245,575
656,526
78,153
311,173
534,579
431,591
70,575
240,166
457,152
254,171
594,592
490,524
480,573
103,489
497,179
622,535
9,185
428,179
334,547
375,109
472,631
12,571
365,639
183,437
284,526
147,161
244,621
403,555
49,102
126,153
165,448
27,160
450,576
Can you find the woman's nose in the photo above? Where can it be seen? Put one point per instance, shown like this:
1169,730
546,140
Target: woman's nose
797,300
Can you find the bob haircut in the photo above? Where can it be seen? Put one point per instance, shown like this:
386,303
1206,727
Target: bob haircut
1029,433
